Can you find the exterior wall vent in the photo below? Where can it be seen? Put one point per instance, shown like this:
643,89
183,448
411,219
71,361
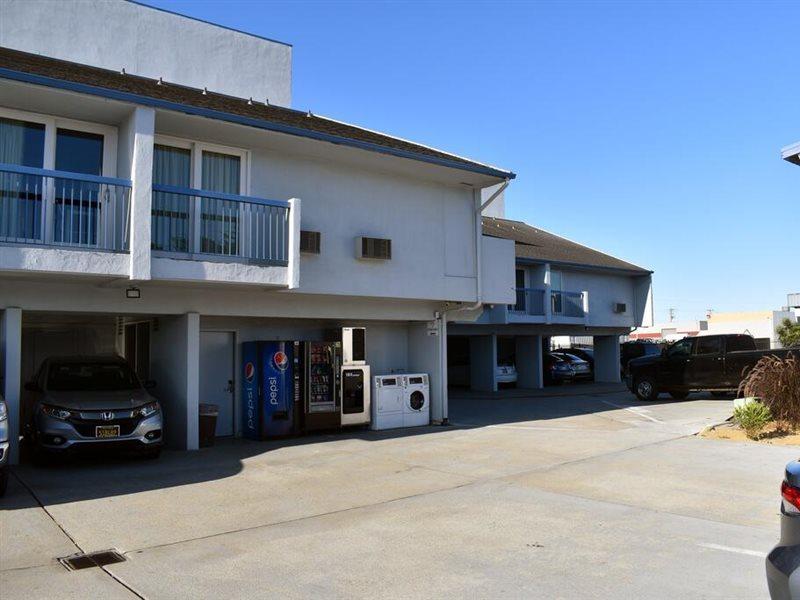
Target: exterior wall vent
620,307
310,242
374,248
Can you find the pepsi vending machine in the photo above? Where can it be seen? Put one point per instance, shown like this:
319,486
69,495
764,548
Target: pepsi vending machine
268,392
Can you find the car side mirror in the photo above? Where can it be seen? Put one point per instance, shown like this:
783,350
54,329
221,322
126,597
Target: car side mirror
149,384
32,386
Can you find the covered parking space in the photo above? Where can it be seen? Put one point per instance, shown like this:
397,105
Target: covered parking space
191,359
476,354
160,348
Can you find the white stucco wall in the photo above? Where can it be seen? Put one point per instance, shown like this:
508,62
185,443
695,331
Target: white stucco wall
497,271
605,288
431,225
115,34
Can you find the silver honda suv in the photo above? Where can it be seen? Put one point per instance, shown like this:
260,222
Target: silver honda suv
91,403
783,563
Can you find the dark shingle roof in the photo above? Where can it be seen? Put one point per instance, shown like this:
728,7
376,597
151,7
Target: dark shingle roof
283,119
536,244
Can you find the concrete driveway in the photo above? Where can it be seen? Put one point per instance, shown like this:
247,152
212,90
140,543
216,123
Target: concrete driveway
582,494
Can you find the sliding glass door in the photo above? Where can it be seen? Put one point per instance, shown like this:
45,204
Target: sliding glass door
219,219
77,203
172,212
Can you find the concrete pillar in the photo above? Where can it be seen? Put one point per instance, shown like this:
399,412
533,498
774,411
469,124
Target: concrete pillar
294,244
483,363
175,359
11,364
424,356
138,137
606,358
530,373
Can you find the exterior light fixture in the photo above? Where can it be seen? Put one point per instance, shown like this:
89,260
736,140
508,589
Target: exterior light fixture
133,292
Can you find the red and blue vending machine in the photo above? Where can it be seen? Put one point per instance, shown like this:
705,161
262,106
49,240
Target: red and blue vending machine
268,389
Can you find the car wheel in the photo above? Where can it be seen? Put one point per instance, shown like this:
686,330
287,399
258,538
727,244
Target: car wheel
679,395
645,389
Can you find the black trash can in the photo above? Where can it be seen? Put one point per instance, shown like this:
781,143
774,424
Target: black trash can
208,424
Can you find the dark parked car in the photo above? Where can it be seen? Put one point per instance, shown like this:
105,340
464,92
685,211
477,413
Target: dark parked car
581,368
586,354
714,363
556,369
783,563
91,402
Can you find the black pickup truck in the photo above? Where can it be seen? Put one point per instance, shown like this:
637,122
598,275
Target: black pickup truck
714,363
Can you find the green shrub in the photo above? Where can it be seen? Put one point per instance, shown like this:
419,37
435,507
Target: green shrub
752,417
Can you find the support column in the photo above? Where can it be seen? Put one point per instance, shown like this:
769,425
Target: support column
424,356
483,363
175,354
137,139
530,373
11,365
606,359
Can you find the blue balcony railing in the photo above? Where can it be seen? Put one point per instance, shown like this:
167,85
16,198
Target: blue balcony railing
204,224
530,301
567,304
57,208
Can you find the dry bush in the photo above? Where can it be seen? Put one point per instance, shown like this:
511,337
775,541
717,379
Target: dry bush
776,382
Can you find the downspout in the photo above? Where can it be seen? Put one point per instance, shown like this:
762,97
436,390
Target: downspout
442,316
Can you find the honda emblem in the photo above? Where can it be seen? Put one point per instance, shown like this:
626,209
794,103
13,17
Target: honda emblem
107,416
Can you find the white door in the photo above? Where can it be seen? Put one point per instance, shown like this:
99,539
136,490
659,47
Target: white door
216,376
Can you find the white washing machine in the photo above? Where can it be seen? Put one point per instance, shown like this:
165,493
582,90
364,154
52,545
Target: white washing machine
416,400
387,401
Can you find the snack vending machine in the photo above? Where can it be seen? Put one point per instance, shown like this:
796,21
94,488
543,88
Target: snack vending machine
316,384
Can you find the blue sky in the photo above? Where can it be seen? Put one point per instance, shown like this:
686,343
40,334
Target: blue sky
649,130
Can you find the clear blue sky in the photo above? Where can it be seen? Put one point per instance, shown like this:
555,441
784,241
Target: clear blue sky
649,130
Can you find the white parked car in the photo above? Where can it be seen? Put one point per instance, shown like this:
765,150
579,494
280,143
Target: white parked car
506,374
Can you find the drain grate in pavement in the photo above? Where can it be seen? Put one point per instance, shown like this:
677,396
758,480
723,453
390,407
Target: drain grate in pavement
81,560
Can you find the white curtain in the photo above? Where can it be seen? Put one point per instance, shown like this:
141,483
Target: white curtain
170,226
220,218
20,195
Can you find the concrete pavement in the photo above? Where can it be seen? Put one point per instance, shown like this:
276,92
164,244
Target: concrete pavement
569,496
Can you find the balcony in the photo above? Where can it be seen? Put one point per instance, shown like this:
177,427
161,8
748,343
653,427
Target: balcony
529,302
212,226
40,207
567,304
563,307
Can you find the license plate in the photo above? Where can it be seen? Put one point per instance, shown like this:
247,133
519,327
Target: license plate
106,431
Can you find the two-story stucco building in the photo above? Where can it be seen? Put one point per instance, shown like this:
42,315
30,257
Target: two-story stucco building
153,198
562,288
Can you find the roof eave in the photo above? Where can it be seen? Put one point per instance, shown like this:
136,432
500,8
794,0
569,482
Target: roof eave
791,153
102,92
563,263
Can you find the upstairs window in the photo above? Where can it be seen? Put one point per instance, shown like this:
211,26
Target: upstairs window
21,143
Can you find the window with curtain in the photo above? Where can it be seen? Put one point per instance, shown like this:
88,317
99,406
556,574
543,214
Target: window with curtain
219,219
22,144
78,203
171,212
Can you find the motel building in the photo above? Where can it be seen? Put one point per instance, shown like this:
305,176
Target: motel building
162,201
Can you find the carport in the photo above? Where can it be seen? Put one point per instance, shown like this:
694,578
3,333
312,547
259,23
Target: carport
162,348
474,352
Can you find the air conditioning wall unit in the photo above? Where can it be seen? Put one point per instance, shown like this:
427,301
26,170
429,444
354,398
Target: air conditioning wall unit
310,242
373,248
620,307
